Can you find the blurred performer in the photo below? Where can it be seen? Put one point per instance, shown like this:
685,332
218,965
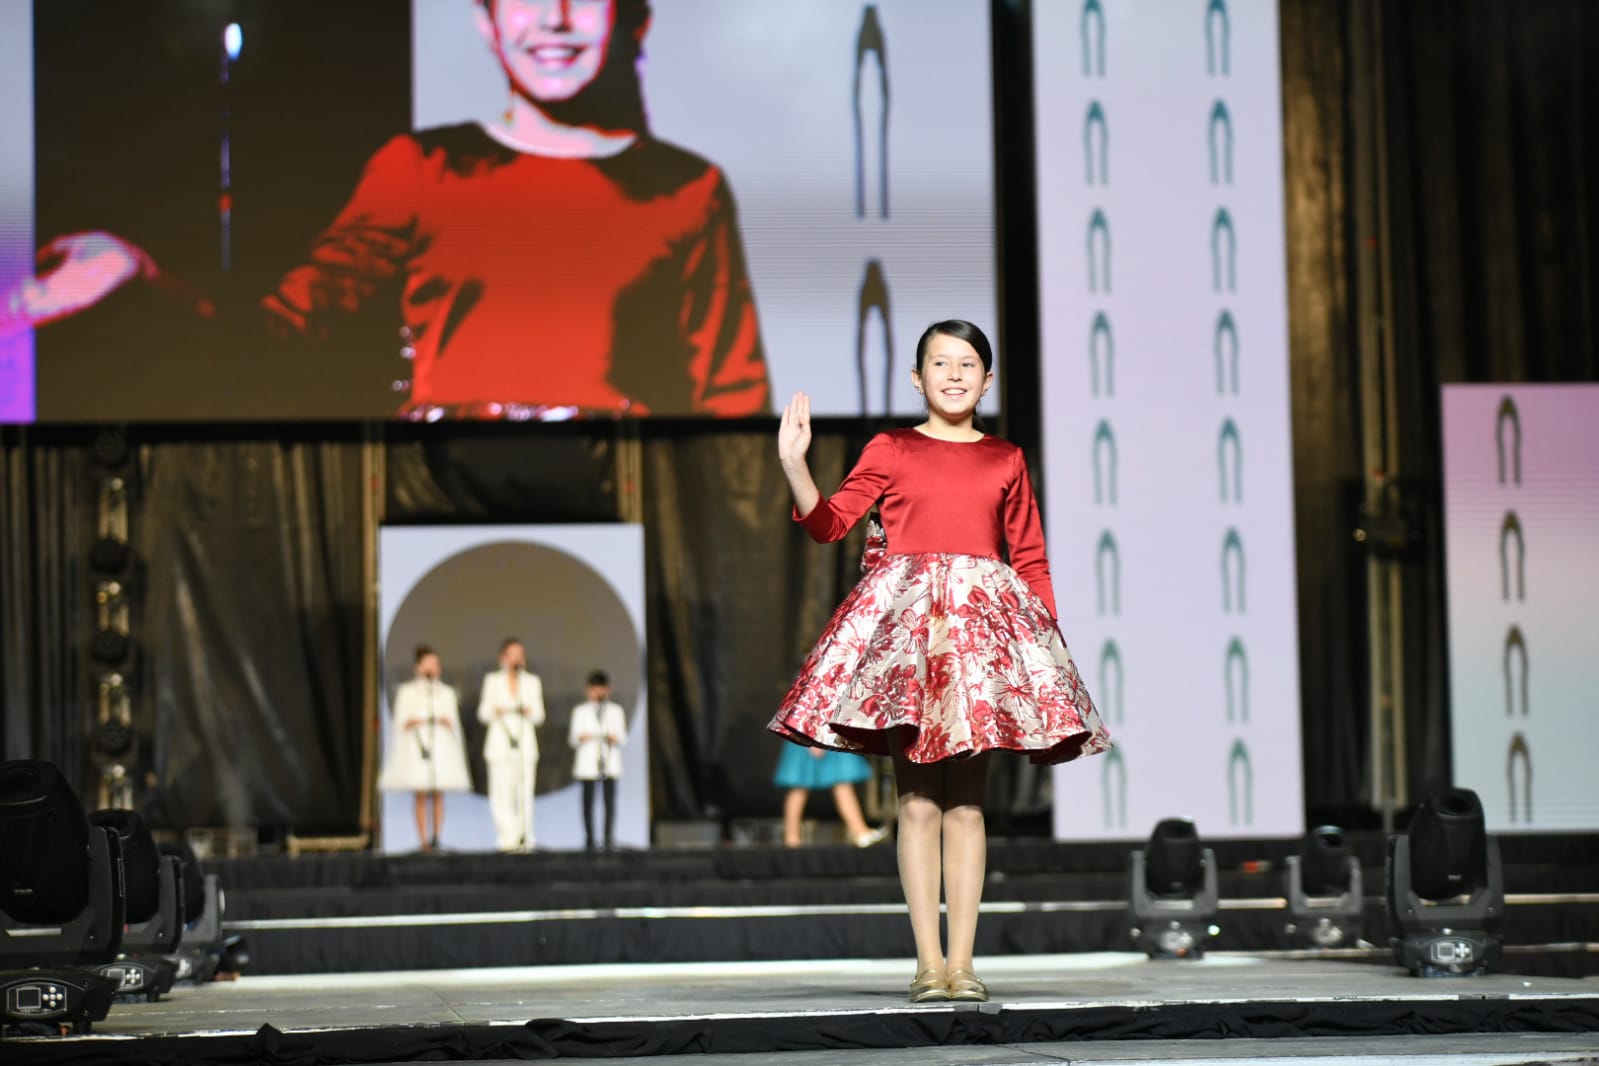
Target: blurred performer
426,755
512,706
599,729
560,261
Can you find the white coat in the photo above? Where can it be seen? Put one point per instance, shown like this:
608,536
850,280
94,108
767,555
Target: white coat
426,752
597,757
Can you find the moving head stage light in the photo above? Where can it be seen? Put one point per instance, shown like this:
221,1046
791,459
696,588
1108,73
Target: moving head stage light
154,909
1446,892
1172,892
1324,892
61,902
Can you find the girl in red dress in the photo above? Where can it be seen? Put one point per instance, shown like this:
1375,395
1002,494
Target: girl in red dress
943,653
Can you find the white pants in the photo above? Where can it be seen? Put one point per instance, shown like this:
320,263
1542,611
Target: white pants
511,802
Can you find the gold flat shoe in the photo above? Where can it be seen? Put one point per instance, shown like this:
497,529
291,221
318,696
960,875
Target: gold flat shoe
929,986
966,986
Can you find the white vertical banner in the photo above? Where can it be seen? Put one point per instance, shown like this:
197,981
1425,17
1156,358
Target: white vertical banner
1169,491
574,596
1521,527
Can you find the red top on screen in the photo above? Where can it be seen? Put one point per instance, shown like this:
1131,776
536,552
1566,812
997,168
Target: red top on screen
607,284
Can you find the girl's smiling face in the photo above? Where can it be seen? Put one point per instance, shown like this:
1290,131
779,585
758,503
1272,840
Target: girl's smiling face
952,377
551,50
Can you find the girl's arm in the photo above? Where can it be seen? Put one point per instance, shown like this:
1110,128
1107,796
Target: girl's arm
793,441
1024,535
364,247
827,519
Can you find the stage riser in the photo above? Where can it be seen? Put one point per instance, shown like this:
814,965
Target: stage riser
827,936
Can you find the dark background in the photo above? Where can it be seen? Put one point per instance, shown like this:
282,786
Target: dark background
128,105
251,538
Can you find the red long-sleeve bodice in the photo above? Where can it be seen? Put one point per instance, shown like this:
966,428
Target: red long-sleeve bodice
947,497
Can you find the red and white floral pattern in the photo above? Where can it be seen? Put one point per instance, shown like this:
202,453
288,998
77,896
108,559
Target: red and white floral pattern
958,648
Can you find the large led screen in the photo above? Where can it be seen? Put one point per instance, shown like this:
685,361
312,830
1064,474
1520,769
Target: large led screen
1521,522
503,209
1169,493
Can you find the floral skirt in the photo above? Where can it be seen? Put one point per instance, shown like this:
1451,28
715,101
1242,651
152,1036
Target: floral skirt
948,655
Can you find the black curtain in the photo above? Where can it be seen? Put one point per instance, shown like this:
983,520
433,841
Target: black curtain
251,614
47,506
1325,405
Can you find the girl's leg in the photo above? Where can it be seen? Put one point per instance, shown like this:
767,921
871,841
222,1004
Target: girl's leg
438,817
921,799
965,853
419,803
793,811
849,809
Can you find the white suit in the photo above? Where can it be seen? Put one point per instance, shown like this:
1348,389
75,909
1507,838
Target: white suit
511,752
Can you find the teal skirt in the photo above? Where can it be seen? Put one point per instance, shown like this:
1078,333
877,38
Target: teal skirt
797,767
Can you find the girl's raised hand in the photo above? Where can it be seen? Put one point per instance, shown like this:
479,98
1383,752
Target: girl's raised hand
794,432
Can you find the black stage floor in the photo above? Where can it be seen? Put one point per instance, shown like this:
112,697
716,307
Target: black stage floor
1046,1009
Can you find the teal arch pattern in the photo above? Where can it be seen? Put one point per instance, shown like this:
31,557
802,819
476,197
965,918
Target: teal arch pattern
1091,28
1110,666
1104,449
1220,142
1102,345
1232,548
1218,39
1226,348
1098,252
1108,573
1237,691
1224,252
1240,784
1113,786
1229,446
1096,135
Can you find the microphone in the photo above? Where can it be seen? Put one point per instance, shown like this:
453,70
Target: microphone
512,672
422,745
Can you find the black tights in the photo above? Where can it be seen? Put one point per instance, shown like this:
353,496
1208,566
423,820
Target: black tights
609,784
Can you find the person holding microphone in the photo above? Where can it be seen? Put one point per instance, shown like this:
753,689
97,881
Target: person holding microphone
426,754
597,733
512,707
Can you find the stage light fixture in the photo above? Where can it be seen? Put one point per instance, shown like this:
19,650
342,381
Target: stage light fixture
1324,890
109,555
1172,893
111,642
61,901
202,953
154,909
1445,886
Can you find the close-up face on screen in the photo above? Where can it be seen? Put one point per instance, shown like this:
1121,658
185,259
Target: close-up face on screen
527,210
